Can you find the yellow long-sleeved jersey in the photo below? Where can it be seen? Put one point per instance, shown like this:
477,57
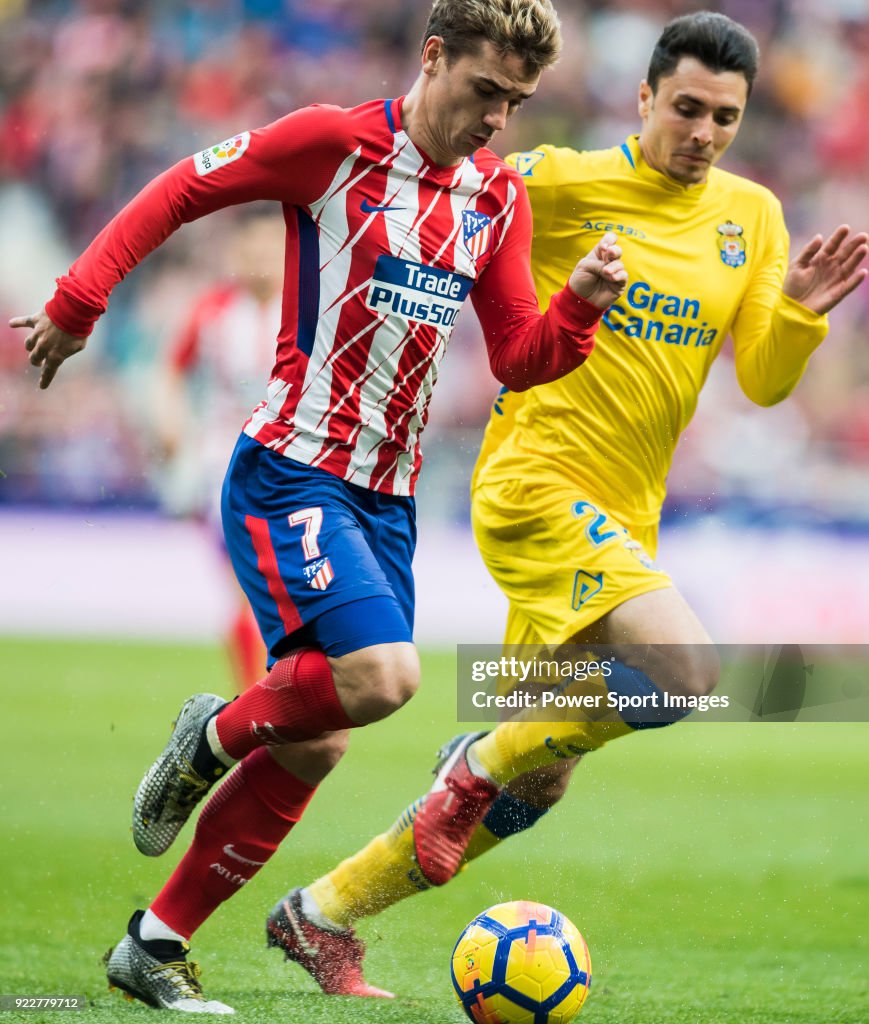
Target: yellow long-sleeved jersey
704,261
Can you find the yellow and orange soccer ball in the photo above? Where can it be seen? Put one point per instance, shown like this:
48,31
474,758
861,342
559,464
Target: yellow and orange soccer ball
521,963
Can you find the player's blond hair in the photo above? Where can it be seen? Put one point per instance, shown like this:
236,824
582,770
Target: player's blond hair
529,28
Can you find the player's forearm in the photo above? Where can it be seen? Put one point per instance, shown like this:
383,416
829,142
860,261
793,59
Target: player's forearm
769,369
82,294
178,196
532,348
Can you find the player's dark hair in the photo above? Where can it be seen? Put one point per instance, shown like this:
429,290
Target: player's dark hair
718,42
529,28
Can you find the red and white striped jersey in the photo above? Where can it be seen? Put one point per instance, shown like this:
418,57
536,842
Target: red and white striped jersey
383,246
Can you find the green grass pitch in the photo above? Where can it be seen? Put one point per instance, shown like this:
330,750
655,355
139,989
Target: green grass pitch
718,872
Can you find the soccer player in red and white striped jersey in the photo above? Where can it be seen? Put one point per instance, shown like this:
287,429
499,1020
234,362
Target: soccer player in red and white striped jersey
395,212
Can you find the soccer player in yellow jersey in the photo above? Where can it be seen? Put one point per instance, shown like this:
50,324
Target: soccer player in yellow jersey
568,489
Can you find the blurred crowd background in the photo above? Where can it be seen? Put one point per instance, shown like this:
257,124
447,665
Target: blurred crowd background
98,96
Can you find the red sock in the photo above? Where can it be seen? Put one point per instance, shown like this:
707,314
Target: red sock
239,828
246,649
296,701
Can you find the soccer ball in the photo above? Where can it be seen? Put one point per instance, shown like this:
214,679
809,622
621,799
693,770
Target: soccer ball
521,963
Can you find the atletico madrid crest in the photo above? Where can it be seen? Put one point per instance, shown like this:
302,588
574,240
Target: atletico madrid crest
477,231
319,574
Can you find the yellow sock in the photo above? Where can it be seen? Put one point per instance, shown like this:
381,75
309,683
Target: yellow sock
514,748
385,871
535,738
382,873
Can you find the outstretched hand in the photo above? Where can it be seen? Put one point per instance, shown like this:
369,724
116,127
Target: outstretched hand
826,271
47,344
600,277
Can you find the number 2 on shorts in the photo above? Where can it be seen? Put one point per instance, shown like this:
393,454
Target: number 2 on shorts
593,530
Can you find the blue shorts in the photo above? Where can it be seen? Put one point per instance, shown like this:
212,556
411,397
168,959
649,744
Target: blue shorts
322,561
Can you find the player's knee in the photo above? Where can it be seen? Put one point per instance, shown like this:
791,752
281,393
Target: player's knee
394,682
685,670
328,749
696,671
312,760
376,681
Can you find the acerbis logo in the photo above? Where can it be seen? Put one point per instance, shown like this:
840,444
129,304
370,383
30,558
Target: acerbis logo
563,752
526,162
610,225
585,586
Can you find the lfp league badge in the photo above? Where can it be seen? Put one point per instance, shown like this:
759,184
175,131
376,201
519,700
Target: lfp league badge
477,232
731,244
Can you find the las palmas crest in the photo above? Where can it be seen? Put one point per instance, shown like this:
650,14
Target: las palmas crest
731,244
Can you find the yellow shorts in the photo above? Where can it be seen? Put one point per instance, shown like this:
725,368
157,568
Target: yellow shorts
560,557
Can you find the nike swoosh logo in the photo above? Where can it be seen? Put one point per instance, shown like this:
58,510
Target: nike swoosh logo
366,207
228,850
